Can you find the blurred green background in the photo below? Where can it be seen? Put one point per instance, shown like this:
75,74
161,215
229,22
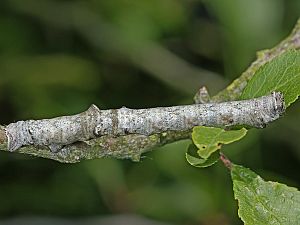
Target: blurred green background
58,57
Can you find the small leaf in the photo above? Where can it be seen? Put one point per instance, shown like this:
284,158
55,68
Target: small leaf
210,139
280,74
195,160
264,202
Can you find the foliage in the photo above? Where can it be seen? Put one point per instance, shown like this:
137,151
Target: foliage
210,139
51,64
194,158
264,202
281,74
260,202
207,143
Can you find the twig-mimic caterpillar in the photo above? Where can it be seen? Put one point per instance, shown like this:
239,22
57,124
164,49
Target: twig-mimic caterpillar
61,131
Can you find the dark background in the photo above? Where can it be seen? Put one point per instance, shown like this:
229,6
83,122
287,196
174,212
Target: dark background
58,57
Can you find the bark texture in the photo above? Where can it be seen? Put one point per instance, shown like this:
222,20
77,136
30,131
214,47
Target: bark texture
123,147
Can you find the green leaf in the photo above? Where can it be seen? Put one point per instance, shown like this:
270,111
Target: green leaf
195,160
280,74
264,202
210,139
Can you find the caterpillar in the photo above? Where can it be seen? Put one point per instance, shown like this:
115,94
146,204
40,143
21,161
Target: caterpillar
58,132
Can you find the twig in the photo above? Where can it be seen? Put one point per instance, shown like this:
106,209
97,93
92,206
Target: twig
234,90
132,146
123,147
227,163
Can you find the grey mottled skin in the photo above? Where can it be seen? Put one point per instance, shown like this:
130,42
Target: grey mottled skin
54,133
59,132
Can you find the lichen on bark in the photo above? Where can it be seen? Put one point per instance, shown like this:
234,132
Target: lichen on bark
123,147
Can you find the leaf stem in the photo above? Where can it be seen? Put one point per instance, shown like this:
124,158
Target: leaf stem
227,163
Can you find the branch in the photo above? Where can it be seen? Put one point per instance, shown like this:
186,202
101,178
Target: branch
58,134
123,147
234,90
132,146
